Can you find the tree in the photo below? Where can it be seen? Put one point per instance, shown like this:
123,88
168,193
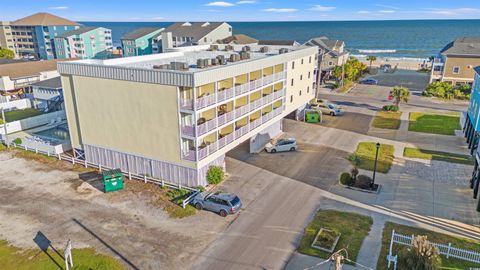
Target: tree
399,94
422,255
371,59
6,53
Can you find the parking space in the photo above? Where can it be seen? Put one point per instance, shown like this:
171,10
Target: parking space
351,121
415,81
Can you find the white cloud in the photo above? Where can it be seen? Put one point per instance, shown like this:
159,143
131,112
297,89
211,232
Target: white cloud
219,4
387,6
280,10
246,2
158,18
363,12
454,11
322,8
386,11
59,8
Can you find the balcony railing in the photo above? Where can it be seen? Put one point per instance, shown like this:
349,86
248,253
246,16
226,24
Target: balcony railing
225,140
189,155
266,117
279,93
242,131
255,123
256,104
205,101
188,130
225,94
206,127
240,111
224,118
241,89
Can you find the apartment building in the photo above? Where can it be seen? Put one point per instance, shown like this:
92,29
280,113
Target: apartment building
34,35
6,37
84,43
173,115
456,61
140,41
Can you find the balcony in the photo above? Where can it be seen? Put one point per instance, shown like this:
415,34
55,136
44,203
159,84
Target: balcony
240,111
225,140
225,117
206,126
224,94
205,101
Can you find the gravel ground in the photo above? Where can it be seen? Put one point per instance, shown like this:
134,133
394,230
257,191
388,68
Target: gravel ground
127,224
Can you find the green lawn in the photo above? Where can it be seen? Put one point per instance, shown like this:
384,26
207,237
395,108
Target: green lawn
387,120
432,236
366,153
353,228
20,114
13,258
444,124
437,155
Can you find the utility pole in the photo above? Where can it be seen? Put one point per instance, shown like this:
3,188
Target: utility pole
343,74
5,128
338,261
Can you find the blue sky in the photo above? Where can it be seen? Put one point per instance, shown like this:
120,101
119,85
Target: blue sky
243,10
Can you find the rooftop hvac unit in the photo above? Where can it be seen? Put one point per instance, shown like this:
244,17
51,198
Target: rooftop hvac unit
213,48
214,61
163,66
244,55
179,66
221,60
283,50
201,63
246,48
228,48
234,57
264,49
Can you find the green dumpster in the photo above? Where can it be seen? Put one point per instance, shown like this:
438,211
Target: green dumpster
312,117
112,180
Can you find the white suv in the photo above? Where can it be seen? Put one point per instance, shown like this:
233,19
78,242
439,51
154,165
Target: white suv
281,145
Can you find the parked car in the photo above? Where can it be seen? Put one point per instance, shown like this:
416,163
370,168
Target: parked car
327,108
282,145
369,81
218,202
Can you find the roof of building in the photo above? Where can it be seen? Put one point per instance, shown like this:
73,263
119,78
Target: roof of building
327,44
463,46
196,30
79,31
278,42
477,70
27,69
4,61
53,83
45,19
140,32
239,39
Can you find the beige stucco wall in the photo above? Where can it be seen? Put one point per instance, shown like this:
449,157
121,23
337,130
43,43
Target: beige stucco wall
299,85
466,65
131,117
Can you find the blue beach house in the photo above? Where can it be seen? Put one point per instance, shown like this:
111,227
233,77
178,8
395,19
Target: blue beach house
471,125
140,41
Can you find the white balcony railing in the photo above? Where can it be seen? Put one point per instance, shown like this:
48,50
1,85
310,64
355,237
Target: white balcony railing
256,104
266,117
189,155
205,101
186,104
207,126
226,117
255,123
225,94
188,130
240,111
279,93
241,89
242,131
222,142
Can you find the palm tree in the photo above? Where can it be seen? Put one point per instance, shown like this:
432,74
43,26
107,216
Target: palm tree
400,93
371,59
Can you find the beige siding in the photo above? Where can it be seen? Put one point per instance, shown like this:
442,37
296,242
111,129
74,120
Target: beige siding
299,85
131,117
466,65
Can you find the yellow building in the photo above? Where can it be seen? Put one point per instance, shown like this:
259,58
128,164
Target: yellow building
173,115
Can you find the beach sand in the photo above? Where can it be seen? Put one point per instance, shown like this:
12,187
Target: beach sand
402,63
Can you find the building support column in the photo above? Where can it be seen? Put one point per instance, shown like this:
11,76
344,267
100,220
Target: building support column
467,129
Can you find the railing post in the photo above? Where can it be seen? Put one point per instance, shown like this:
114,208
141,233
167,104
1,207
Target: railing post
145,178
129,176
26,148
163,183
59,157
179,186
100,167
448,250
86,165
73,160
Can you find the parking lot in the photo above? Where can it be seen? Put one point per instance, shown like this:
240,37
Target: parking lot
415,81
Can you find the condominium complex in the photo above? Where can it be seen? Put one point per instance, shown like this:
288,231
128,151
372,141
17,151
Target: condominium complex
6,37
34,35
172,116
84,43
140,41
457,61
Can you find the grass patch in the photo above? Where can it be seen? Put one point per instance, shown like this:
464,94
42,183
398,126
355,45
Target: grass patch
20,114
443,124
13,258
347,85
387,120
353,227
437,155
431,236
366,154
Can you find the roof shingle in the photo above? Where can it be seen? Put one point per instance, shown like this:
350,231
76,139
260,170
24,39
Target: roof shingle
28,69
195,30
42,18
140,32
463,46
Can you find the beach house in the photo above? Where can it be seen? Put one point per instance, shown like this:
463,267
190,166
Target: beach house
172,116
456,62
471,120
34,36
140,41
84,43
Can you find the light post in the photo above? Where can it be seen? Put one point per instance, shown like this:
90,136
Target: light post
377,146
5,128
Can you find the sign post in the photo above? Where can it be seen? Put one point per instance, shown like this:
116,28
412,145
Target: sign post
67,254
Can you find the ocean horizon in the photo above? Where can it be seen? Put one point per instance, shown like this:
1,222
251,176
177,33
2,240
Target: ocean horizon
393,39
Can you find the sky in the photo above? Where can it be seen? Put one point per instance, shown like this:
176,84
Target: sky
243,10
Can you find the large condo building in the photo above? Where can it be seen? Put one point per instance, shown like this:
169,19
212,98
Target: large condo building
84,43
173,115
6,37
34,35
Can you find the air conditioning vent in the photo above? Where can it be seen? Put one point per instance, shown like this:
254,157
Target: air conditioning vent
283,50
264,49
201,63
178,66
244,55
246,49
228,48
234,57
213,48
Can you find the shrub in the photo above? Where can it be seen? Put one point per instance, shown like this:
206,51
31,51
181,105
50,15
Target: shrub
215,175
363,181
18,141
422,255
390,108
346,179
446,90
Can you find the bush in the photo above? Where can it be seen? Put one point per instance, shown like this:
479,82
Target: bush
363,182
215,175
390,108
346,179
18,141
446,90
422,256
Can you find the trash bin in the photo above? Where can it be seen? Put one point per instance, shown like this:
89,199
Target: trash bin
312,117
112,180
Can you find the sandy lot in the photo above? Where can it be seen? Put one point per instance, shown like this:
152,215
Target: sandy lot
125,224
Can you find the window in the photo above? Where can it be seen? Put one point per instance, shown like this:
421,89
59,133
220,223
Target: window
291,83
302,61
229,29
301,77
330,63
54,28
293,65
310,60
300,93
291,98
456,70
308,89
64,28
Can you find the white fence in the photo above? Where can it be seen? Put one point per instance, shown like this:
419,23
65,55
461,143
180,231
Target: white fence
18,104
34,121
447,250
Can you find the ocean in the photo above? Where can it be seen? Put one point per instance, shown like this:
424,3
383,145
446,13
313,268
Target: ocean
414,39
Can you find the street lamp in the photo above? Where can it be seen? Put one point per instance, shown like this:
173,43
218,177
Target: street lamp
377,146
